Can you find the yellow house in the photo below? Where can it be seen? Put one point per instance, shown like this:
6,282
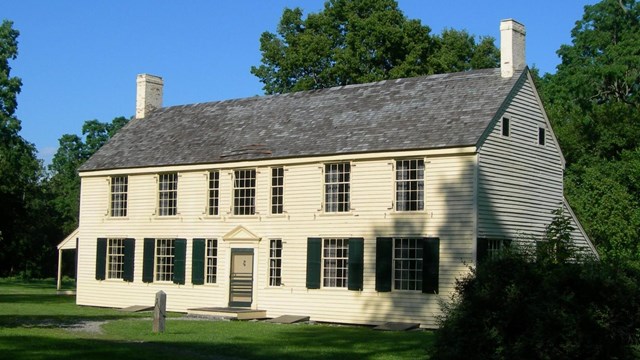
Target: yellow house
357,204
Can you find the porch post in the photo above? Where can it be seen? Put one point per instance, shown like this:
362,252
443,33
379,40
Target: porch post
59,284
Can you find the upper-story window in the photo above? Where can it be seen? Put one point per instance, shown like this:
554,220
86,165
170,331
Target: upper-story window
119,189
506,126
277,190
214,192
541,136
337,187
244,192
410,185
168,194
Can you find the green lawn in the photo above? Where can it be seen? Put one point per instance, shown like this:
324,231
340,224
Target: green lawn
37,324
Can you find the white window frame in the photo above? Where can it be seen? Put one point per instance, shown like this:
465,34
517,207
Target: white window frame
168,194
335,262
244,195
211,261
115,259
407,264
275,262
337,189
403,179
277,191
164,260
213,193
118,197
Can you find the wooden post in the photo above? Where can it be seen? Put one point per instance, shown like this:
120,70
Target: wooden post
59,282
159,312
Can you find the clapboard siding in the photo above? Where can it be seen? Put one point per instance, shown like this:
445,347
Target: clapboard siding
519,181
448,214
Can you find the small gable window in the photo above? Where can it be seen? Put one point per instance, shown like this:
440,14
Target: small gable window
541,136
506,126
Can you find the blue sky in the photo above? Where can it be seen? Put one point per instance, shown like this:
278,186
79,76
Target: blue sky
78,60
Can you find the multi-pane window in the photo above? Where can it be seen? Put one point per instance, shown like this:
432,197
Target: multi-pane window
165,256
410,185
275,262
214,192
407,264
115,258
211,260
337,187
335,261
167,194
277,190
244,192
119,188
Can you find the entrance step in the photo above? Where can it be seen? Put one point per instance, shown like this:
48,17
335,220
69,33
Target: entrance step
397,326
137,308
288,319
229,312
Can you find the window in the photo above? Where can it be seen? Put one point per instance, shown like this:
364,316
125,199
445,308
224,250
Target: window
506,123
168,194
119,187
165,254
244,192
337,187
541,136
214,192
409,185
407,264
211,259
277,190
115,258
335,260
275,262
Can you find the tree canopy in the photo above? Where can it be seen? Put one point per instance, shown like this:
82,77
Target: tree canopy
359,41
593,102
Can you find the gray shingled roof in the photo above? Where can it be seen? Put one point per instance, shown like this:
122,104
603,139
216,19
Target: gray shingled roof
436,111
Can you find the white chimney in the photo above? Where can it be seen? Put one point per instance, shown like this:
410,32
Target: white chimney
148,95
511,47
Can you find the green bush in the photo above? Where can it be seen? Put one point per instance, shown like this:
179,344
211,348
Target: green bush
510,307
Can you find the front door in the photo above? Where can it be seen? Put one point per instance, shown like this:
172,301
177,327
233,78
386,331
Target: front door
241,282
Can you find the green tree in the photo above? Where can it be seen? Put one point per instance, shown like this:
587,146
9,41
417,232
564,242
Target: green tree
64,183
358,41
593,103
24,240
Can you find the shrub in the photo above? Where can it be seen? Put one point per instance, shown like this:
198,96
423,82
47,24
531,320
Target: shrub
510,307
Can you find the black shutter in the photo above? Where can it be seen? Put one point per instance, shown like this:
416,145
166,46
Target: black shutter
483,249
197,262
430,265
129,259
384,257
314,256
179,257
148,260
356,261
101,259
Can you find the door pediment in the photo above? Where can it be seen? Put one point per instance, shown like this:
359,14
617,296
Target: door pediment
241,234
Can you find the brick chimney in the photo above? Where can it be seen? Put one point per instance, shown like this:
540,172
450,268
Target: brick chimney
512,57
148,94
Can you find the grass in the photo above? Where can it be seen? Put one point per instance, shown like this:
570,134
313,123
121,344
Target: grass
37,324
